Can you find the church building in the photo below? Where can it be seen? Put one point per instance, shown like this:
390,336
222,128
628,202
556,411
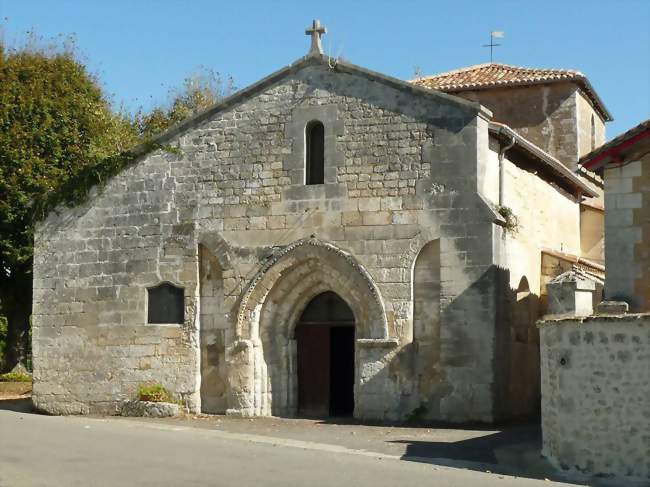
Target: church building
329,241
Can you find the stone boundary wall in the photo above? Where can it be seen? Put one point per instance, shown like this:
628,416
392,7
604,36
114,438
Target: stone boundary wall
596,394
627,199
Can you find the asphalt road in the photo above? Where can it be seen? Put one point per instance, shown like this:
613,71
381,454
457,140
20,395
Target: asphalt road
79,451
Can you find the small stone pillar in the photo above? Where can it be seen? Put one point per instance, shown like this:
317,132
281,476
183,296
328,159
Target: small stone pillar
573,293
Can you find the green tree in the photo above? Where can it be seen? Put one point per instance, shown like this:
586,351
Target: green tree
59,136
54,121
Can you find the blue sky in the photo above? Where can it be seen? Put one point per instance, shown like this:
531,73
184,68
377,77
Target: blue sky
141,49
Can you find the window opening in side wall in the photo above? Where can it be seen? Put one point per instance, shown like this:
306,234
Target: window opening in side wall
165,304
593,132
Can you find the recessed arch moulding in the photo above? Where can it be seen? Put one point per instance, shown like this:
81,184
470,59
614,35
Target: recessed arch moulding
262,376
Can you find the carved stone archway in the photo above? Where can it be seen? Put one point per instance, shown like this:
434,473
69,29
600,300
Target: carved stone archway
262,360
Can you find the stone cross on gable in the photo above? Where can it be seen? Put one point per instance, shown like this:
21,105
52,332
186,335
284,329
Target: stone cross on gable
315,32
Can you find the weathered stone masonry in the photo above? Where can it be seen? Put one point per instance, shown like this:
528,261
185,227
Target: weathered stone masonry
229,219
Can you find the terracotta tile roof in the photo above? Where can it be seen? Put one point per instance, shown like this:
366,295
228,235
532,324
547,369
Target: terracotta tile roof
495,75
614,149
581,263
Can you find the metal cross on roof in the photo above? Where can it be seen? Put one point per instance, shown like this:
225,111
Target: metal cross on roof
315,32
492,45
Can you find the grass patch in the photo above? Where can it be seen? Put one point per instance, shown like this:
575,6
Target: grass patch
417,415
153,393
15,377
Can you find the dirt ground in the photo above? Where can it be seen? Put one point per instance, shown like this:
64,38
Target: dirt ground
15,390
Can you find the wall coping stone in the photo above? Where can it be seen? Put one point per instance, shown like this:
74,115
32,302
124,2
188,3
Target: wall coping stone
639,318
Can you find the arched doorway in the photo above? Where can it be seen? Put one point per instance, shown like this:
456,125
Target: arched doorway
262,365
325,357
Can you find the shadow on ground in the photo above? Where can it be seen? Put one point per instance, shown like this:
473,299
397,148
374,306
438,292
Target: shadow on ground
514,450
21,405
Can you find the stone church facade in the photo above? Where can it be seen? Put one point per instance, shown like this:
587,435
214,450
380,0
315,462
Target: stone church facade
394,286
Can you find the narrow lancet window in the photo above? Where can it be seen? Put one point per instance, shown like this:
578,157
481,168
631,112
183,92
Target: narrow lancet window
315,153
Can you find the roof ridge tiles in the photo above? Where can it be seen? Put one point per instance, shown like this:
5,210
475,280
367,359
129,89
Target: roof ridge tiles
488,75
500,66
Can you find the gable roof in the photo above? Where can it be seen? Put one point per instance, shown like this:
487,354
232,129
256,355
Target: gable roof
615,149
131,156
309,60
496,75
548,162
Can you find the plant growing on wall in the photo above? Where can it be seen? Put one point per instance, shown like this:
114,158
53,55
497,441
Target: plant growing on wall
511,221
198,92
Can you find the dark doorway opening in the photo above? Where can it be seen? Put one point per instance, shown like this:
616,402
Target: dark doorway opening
325,348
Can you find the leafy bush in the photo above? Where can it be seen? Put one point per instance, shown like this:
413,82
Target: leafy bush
153,393
14,377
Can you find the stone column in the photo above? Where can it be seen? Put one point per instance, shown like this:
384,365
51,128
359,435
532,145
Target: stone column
240,361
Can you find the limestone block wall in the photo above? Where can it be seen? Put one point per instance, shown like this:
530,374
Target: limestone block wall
596,394
401,171
548,217
627,234
92,345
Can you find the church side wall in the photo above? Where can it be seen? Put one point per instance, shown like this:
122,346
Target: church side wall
400,173
547,217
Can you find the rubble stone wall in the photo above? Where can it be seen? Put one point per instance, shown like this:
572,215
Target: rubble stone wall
596,394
